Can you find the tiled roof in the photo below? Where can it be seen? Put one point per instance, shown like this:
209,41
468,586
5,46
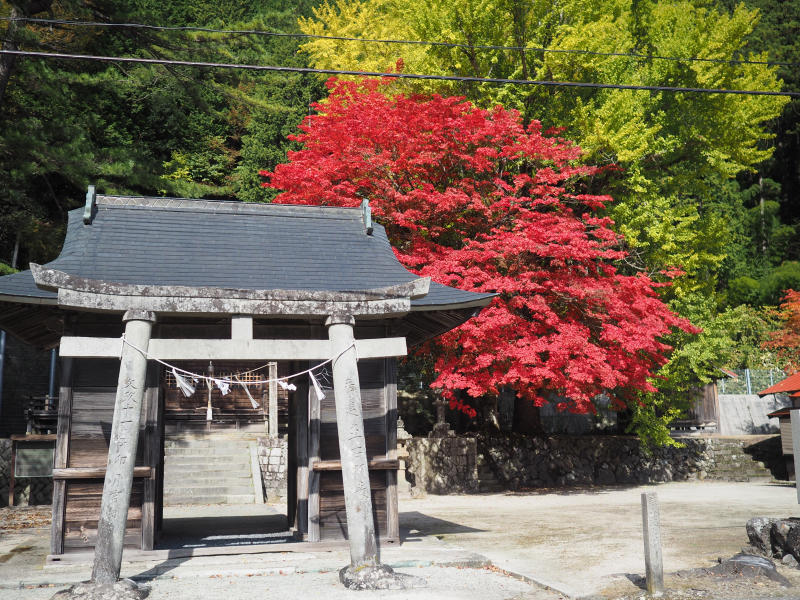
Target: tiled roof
790,384
158,241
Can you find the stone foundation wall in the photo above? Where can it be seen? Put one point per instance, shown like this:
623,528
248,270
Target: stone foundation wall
272,456
515,461
442,465
28,491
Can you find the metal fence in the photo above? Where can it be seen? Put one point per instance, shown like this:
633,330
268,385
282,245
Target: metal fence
749,381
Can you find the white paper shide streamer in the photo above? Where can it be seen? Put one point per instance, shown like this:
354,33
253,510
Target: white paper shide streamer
253,402
186,387
289,387
223,386
317,388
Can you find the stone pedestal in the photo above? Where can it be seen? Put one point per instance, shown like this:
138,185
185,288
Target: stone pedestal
124,589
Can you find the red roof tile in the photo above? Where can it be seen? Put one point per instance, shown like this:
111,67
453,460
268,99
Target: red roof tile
790,384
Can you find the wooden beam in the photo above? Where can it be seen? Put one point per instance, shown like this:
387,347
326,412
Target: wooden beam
300,408
61,456
34,437
314,414
152,456
390,394
376,464
225,349
94,472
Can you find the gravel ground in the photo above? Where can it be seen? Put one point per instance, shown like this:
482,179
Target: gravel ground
24,517
584,540
708,587
443,583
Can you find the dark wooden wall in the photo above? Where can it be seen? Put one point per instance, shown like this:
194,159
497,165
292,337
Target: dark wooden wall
26,374
86,406
231,411
326,509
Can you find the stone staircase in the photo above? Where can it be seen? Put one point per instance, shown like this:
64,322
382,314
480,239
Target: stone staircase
737,460
208,469
487,480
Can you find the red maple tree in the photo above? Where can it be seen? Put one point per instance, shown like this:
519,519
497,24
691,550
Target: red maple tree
786,341
477,201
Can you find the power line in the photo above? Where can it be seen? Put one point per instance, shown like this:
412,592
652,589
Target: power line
283,69
396,41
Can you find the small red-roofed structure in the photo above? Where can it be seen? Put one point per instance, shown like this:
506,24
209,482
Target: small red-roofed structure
791,386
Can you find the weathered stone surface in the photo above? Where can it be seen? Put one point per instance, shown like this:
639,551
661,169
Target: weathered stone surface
442,465
272,458
747,565
515,461
759,533
786,537
378,577
124,589
789,561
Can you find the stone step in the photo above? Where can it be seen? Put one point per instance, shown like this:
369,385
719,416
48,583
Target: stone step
209,490
206,468
223,443
201,436
217,499
195,461
175,478
207,451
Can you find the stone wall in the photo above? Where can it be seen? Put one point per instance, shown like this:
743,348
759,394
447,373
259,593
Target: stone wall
442,465
28,491
272,456
516,461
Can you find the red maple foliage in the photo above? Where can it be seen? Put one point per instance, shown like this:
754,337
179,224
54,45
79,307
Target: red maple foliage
477,201
786,341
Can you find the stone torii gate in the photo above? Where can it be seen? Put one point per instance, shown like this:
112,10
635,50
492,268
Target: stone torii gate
141,305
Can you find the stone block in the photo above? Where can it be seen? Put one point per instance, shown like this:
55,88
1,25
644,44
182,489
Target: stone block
786,537
759,532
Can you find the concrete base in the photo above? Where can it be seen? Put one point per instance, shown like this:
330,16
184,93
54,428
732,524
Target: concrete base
124,589
379,577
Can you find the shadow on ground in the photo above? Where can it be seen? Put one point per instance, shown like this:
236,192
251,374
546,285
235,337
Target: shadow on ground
217,531
416,524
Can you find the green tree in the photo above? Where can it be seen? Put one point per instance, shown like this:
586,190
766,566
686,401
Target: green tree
141,129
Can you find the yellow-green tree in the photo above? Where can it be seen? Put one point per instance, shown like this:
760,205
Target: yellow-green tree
675,150
672,146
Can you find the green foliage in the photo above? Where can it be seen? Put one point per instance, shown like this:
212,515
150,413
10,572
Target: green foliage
673,148
144,129
777,282
650,421
730,339
743,290
776,33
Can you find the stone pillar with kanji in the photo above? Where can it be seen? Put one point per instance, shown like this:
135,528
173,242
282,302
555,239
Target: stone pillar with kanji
122,447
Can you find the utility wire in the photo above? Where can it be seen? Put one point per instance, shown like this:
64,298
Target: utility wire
213,65
395,41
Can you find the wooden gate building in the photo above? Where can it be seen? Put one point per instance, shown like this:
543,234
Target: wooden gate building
236,285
